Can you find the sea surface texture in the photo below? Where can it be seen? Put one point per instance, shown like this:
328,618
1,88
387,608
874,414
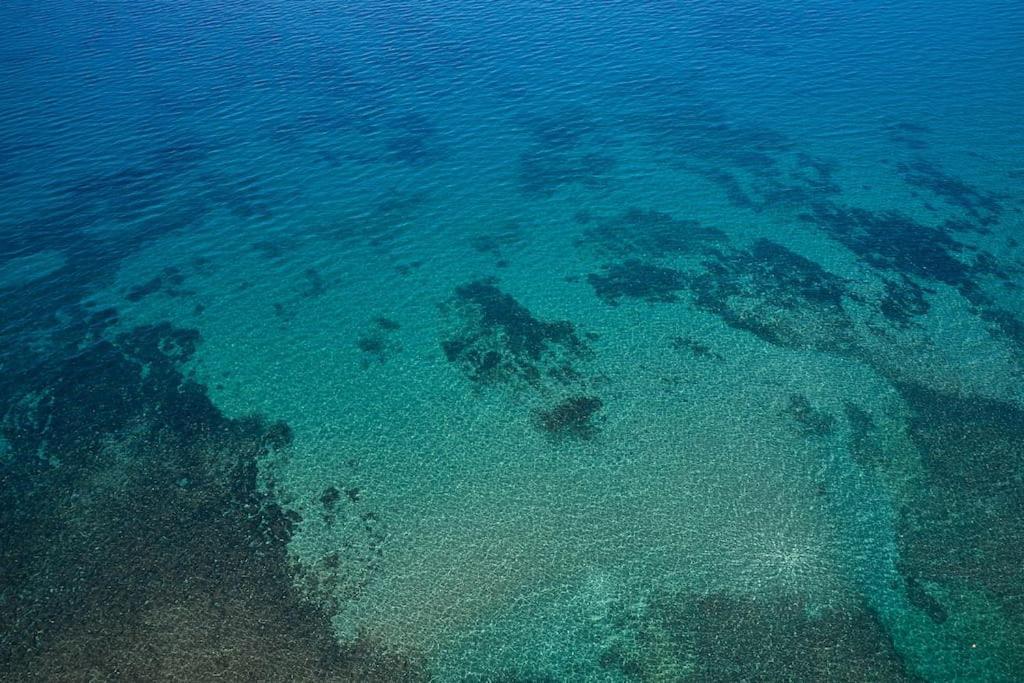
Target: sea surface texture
512,341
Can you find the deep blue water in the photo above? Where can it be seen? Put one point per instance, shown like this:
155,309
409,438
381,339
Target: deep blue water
539,341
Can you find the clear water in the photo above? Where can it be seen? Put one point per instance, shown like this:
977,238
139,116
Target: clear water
539,341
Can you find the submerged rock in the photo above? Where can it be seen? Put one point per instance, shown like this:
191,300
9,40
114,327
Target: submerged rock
496,340
572,418
635,279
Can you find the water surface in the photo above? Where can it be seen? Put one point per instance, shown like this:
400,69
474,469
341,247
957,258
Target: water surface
472,341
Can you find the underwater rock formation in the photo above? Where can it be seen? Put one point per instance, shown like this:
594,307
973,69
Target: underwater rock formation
572,418
957,527
496,340
649,234
635,279
133,526
778,295
730,637
378,343
811,421
983,208
544,170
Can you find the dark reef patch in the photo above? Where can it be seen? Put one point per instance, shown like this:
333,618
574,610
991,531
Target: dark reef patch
386,324
919,253
790,181
168,282
921,599
412,140
314,286
583,216
983,207
330,497
963,522
651,234
102,219
562,130
378,343
379,224
406,269
495,339
809,420
695,348
564,150
755,167
133,526
903,301
374,345
863,433
911,135
723,637
498,242
573,418
274,249
888,240
635,279
967,442
751,639
139,292
776,294
704,132
543,171
342,575
283,313
1003,323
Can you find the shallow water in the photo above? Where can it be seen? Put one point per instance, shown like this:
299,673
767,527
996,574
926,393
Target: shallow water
545,342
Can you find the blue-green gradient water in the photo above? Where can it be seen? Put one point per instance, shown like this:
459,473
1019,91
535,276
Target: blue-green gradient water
526,341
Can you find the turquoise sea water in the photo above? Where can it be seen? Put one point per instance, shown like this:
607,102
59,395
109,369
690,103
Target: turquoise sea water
512,342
